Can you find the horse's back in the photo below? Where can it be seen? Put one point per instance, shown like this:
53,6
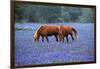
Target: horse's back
49,30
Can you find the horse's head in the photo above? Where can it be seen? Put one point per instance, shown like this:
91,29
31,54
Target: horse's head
35,36
61,36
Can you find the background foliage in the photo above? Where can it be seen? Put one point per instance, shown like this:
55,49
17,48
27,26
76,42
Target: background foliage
52,14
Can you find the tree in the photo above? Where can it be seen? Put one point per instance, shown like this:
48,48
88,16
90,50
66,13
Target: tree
87,15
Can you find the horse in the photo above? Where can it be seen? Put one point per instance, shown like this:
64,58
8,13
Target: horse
46,30
67,30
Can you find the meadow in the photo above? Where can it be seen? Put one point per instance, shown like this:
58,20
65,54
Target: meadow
28,52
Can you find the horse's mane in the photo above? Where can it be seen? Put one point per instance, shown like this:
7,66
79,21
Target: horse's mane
36,32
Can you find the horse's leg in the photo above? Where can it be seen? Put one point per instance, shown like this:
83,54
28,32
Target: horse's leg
72,36
56,38
67,38
63,38
42,38
47,38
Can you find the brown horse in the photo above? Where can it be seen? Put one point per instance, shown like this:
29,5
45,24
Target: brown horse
45,31
67,30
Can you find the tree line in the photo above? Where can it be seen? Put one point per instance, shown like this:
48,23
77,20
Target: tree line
52,14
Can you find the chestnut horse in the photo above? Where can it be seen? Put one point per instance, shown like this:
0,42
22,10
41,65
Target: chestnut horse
67,30
45,31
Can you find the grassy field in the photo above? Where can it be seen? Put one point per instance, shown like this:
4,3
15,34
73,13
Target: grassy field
28,52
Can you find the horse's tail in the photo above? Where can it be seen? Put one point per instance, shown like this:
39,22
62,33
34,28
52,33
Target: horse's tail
76,33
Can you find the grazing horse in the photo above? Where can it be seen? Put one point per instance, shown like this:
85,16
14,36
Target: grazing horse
65,31
45,31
